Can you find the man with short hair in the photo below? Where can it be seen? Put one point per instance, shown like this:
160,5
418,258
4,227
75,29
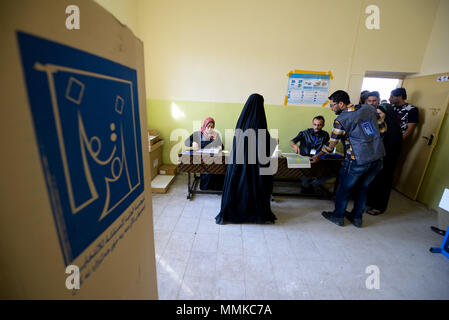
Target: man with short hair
408,115
363,96
311,141
359,127
380,188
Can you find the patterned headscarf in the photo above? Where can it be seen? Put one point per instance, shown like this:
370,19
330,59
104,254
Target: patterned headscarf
203,128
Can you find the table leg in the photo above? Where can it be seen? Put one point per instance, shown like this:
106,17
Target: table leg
188,186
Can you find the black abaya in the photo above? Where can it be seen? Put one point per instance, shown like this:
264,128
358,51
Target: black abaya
246,193
380,188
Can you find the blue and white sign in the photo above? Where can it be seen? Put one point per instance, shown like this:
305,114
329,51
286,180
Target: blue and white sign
304,88
86,120
368,128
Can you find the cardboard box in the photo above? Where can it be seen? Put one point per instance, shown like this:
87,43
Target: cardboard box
155,158
169,169
156,145
153,137
161,183
74,102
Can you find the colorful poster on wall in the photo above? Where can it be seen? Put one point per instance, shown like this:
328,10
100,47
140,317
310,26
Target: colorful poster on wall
308,87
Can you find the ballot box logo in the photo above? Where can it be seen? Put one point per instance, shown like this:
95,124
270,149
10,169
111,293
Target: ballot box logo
368,128
86,120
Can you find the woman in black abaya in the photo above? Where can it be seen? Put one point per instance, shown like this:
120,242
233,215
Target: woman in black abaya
247,187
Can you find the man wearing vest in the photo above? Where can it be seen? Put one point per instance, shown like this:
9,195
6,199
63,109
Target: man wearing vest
359,128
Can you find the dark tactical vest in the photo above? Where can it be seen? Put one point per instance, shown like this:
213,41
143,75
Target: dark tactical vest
363,132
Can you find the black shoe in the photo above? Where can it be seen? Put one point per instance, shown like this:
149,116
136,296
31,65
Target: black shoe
329,216
437,230
357,222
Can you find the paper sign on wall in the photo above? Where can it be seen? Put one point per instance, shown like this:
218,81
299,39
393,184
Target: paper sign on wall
307,87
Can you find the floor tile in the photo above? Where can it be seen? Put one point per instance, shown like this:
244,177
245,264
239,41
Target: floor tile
301,256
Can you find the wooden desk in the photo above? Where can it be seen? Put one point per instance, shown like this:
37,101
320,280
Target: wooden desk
198,163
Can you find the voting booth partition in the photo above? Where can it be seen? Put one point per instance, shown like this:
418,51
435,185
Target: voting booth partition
76,209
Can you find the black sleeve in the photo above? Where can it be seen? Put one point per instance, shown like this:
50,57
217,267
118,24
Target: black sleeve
196,136
413,115
326,138
298,137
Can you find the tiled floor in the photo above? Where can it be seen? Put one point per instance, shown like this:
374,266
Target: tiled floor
302,256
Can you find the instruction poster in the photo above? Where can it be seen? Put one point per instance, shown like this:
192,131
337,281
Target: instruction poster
308,88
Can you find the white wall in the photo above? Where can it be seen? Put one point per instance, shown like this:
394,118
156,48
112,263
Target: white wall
124,10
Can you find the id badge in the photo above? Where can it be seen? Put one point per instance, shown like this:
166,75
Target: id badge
312,152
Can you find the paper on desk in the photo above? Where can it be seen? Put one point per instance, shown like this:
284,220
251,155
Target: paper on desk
295,160
276,152
208,151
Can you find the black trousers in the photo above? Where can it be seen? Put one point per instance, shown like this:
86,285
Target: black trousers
380,188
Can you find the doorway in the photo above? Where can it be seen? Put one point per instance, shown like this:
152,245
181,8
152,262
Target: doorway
383,85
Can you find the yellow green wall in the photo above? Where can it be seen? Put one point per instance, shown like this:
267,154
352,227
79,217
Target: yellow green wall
221,51
205,57
169,115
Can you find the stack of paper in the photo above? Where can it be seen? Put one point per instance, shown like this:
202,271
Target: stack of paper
296,161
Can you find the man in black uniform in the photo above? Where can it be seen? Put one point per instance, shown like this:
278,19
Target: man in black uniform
311,141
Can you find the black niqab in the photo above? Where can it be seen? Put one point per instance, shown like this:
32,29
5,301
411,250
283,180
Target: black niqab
246,193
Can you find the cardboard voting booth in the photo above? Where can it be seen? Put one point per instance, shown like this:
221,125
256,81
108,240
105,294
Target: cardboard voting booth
75,187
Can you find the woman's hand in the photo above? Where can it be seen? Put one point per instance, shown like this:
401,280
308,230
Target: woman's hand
195,146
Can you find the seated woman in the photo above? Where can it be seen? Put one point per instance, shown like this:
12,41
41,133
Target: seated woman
207,138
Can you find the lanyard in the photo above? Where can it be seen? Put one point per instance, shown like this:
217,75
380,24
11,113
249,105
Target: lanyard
315,140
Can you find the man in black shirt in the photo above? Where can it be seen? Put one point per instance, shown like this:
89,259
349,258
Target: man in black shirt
408,115
311,142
